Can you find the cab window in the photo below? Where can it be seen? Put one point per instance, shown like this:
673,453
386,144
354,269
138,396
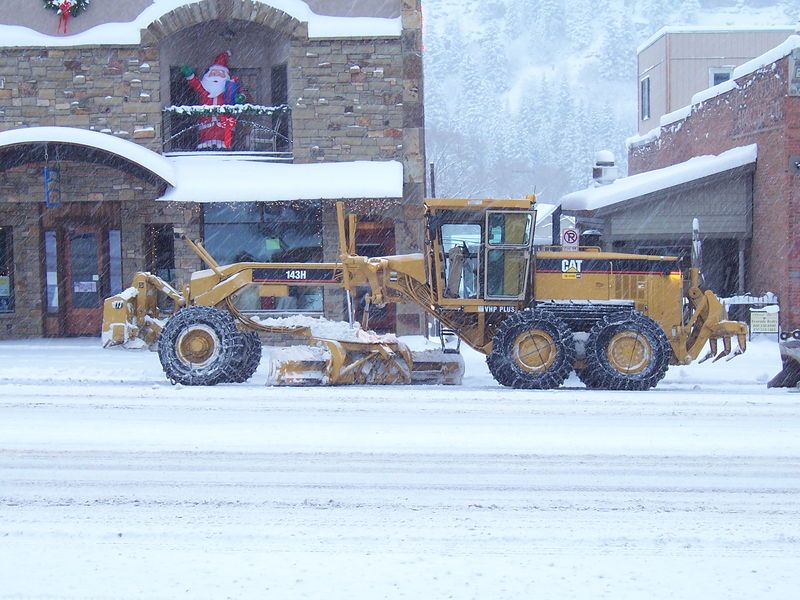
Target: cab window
508,241
461,243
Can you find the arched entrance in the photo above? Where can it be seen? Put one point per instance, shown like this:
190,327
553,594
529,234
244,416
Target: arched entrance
65,222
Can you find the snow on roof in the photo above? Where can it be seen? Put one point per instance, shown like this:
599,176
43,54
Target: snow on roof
120,34
759,62
153,162
709,29
769,57
217,178
638,185
543,211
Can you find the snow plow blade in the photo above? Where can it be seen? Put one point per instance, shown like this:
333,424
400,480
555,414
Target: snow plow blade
337,362
790,375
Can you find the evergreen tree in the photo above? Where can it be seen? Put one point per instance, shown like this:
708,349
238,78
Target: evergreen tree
618,52
791,9
551,12
513,25
579,28
689,10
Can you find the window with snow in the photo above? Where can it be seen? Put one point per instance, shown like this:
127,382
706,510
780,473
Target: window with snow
717,75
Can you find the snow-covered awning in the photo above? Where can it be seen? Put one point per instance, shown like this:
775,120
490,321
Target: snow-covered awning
638,185
216,178
25,145
118,34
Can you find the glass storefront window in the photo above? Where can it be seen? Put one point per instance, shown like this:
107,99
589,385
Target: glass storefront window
115,260
267,232
6,270
51,269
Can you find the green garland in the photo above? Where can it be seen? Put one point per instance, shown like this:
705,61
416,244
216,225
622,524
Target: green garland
78,6
207,110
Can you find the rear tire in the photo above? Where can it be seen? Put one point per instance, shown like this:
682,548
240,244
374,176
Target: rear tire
628,351
200,345
532,349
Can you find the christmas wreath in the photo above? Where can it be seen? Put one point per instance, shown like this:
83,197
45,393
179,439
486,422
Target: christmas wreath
66,9
227,109
76,7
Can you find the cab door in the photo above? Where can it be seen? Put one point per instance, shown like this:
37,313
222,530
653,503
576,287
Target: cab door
509,240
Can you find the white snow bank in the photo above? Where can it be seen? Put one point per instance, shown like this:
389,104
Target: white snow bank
768,298
333,330
153,162
238,180
650,136
769,57
634,186
128,294
712,92
120,34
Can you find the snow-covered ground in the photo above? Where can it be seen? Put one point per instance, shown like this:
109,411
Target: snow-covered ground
115,484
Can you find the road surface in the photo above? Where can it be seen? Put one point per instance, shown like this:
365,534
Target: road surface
115,484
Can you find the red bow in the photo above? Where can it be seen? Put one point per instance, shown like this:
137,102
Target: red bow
228,124
64,9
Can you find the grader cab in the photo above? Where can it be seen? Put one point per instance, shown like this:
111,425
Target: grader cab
618,320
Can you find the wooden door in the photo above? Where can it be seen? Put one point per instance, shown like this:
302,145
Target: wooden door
84,260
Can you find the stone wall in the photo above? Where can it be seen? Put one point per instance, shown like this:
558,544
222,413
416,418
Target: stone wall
112,90
347,100
759,111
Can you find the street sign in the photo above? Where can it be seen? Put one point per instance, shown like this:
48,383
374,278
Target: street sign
570,238
764,321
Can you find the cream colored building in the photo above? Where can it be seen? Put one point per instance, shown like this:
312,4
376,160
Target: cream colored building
677,62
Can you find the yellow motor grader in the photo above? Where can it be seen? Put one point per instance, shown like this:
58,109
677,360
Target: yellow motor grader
617,319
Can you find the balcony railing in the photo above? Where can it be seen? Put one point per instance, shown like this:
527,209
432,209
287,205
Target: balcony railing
264,130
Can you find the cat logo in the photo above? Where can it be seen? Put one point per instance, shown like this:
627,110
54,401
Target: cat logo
571,268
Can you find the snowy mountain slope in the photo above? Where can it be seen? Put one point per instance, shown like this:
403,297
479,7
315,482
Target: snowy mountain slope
519,94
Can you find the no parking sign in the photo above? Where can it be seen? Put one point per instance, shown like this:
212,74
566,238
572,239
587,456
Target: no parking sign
570,238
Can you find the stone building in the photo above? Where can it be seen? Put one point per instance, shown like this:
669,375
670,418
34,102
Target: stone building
745,133
99,167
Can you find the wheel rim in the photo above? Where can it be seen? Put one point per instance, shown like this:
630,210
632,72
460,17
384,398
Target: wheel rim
629,352
197,346
534,351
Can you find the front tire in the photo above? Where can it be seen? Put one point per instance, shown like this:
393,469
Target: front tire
532,349
249,360
200,345
628,351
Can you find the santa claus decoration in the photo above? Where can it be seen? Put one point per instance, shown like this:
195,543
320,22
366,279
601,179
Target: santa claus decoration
216,88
